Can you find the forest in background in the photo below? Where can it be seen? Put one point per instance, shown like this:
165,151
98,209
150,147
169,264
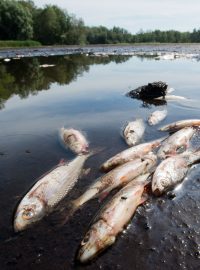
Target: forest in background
23,21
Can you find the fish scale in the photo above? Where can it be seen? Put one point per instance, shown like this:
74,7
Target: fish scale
129,154
112,218
116,178
172,170
48,192
174,142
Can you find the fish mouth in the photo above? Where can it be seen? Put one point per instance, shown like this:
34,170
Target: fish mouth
19,225
85,150
157,192
86,255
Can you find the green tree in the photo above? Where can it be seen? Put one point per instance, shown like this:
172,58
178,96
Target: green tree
75,33
15,21
51,23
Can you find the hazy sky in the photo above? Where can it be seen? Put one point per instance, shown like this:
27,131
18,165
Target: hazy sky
134,15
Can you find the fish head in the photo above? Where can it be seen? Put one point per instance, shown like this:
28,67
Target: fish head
77,145
29,211
151,160
95,241
80,148
159,185
132,137
152,120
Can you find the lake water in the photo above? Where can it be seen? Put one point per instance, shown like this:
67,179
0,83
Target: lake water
88,93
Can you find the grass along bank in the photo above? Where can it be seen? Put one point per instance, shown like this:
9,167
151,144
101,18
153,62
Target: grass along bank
18,43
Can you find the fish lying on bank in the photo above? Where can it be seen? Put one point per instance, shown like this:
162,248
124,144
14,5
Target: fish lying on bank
156,117
172,170
172,97
181,124
176,142
75,140
129,154
112,219
116,178
48,192
134,131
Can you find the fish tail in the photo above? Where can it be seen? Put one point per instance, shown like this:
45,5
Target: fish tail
159,141
93,152
192,157
61,132
66,214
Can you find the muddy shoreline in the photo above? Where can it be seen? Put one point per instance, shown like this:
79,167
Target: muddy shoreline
101,49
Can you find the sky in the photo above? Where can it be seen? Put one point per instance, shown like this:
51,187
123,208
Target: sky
133,15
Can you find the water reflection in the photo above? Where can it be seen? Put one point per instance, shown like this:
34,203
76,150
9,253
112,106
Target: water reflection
26,76
147,103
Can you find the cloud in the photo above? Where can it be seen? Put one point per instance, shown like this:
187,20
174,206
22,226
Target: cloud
134,15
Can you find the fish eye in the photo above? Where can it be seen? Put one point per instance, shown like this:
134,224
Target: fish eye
28,214
164,182
86,239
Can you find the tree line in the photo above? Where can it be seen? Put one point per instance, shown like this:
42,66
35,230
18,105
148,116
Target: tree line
22,20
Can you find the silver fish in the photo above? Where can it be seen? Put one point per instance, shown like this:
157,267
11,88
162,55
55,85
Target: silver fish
75,140
48,192
129,154
134,131
156,117
112,219
172,97
181,124
172,170
175,142
116,178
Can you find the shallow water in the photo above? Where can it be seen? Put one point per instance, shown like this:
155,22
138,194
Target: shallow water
88,93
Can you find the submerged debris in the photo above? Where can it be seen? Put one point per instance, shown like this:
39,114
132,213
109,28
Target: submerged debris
149,91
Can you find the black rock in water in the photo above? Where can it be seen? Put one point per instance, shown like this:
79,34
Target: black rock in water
149,91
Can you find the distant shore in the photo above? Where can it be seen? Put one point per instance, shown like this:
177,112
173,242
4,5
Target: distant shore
147,49
37,45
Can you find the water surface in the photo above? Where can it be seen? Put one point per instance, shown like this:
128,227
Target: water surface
88,93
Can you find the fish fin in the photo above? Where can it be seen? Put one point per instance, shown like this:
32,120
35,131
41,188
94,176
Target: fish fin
62,161
147,188
147,185
62,214
102,196
96,151
85,172
72,208
144,198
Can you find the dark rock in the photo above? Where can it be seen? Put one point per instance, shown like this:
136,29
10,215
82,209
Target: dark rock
149,91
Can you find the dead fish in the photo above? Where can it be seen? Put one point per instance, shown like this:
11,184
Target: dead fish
170,90
116,178
48,192
172,170
177,141
134,131
172,97
129,154
112,219
181,124
156,117
75,140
